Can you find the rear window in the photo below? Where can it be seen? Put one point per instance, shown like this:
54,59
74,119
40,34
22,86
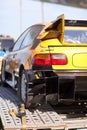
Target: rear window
6,44
75,36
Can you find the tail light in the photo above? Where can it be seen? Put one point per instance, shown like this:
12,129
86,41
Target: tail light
50,59
42,59
59,59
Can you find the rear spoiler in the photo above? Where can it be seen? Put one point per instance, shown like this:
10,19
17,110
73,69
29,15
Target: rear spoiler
81,23
55,29
56,24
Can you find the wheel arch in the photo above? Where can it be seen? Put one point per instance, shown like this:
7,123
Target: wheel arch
20,69
30,74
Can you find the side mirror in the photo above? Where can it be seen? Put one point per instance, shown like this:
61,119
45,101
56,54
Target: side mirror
4,50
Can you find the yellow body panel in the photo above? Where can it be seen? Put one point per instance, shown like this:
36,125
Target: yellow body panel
76,54
80,60
72,54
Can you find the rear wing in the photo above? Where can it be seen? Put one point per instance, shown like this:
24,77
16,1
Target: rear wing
55,29
58,26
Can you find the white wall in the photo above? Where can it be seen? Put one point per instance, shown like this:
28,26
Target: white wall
17,15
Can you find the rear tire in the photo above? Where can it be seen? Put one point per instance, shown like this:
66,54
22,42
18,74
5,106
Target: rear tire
3,76
23,90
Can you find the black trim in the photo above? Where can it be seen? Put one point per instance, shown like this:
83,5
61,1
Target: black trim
35,43
81,23
54,25
38,67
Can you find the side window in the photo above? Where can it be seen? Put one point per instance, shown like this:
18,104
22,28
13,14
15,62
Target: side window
31,35
27,41
20,40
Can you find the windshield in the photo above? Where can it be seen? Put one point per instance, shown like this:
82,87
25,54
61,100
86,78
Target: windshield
75,36
6,44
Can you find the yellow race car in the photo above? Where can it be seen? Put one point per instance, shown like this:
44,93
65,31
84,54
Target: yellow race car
48,63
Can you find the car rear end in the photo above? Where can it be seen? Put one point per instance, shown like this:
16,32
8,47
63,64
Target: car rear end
64,65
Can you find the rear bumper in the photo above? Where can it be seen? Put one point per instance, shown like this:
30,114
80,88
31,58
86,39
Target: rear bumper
67,86
62,86
71,73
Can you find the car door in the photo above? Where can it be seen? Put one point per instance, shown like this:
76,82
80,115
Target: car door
12,60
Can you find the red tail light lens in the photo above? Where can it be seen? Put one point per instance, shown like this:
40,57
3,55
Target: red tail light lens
42,59
59,59
50,59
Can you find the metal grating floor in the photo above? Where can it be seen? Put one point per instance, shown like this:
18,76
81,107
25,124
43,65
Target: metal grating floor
42,118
